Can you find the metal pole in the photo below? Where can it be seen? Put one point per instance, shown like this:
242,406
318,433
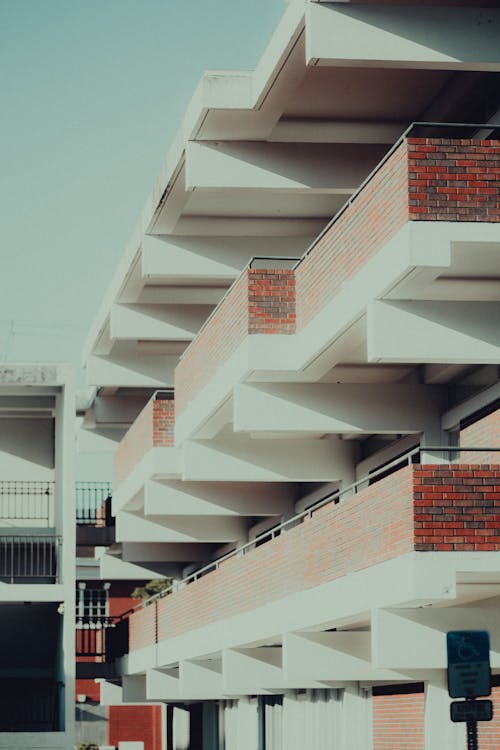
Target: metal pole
472,743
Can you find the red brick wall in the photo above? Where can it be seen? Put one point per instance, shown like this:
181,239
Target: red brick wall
136,723
260,301
153,427
483,433
398,721
90,688
489,732
143,627
454,180
423,508
372,526
375,215
457,507
271,301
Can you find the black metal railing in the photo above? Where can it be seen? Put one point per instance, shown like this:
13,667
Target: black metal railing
93,504
29,704
27,501
102,638
26,558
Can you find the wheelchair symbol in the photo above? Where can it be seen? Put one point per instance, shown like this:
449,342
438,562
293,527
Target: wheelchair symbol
466,651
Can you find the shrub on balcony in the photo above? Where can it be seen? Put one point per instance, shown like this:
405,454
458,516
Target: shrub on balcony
156,586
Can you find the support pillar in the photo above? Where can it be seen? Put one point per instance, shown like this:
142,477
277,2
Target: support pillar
439,731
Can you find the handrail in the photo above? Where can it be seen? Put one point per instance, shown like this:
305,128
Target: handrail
335,496
345,206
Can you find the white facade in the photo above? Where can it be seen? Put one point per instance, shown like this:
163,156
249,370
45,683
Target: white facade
37,558
273,648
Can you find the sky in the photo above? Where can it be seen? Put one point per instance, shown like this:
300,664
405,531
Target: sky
92,93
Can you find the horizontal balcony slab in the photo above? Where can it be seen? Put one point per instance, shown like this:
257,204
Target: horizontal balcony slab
131,369
158,463
453,332
321,408
425,629
333,656
133,528
334,168
171,498
205,260
240,458
420,37
142,322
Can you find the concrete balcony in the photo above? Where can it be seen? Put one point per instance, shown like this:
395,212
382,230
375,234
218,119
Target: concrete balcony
426,535
416,249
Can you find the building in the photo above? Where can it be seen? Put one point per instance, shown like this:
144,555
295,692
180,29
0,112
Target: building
308,315
36,556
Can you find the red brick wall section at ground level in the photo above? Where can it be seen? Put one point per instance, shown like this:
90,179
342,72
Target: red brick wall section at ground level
90,688
454,180
153,427
398,721
136,723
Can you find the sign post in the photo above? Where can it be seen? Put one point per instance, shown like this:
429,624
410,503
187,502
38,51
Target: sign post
469,677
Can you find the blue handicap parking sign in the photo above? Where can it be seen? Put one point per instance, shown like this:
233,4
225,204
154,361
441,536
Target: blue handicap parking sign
468,663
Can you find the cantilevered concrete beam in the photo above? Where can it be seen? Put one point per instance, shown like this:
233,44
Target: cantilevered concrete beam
216,499
335,408
413,37
132,368
433,332
332,657
158,552
335,169
252,670
416,638
133,528
163,684
209,260
157,322
242,459
201,680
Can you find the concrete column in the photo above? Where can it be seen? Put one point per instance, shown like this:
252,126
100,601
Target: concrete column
356,719
440,732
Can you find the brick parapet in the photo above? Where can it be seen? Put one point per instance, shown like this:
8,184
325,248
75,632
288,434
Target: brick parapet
366,529
375,215
261,301
431,179
431,508
484,433
154,427
457,507
454,179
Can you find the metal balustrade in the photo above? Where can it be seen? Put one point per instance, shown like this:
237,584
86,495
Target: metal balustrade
26,558
451,455
93,504
103,638
26,501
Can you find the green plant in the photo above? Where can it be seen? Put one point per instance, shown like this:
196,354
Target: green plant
156,586
87,746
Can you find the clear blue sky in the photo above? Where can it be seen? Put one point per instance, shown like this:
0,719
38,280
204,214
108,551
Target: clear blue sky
92,92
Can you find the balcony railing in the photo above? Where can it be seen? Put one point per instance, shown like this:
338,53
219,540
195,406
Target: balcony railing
401,507
102,638
436,172
27,502
26,558
93,504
